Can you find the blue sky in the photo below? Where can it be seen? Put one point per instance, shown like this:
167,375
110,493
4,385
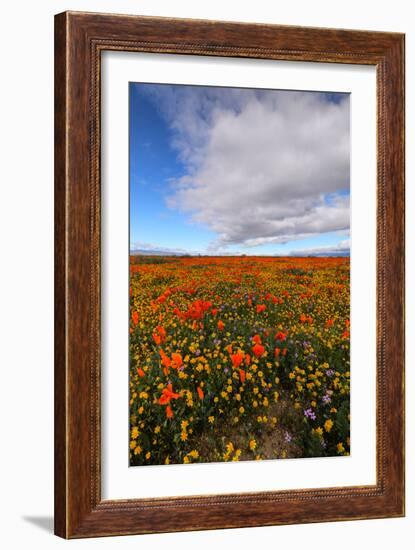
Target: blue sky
231,171
153,163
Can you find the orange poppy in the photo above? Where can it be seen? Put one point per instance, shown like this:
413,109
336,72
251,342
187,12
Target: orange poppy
258,350
167,394
166,362
237,359
176,360
159,335
306,319
200,393
221,325
257,339
177,312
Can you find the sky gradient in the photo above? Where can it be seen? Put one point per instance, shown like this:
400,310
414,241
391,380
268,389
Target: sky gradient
238,171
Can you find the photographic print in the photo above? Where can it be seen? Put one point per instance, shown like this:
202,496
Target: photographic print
202,275
239,322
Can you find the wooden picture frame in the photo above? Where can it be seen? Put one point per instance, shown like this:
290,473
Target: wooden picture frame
79,40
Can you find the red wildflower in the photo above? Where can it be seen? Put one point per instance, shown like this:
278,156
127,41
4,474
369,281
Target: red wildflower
159,335
169,412
306,319
134,317
197,309
140,373
258,350
166,362
257,339
176,360
260,307
200,393
221,325
237,359
242,375
177,312
167,395
277,352
280,336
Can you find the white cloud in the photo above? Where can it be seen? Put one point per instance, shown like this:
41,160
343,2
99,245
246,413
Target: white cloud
340,249
261,166
154,249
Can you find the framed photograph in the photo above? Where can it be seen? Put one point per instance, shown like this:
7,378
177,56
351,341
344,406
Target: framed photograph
229,275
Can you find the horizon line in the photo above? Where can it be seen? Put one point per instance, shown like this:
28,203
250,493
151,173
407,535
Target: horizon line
197,255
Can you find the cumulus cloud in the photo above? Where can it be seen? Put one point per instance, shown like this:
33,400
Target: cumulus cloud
260,166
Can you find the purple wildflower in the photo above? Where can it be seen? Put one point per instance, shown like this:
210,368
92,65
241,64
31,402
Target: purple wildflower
309,413
288,437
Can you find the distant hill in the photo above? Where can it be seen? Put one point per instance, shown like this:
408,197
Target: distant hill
338,254
157,253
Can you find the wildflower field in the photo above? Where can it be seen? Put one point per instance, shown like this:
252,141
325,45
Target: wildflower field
238,358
